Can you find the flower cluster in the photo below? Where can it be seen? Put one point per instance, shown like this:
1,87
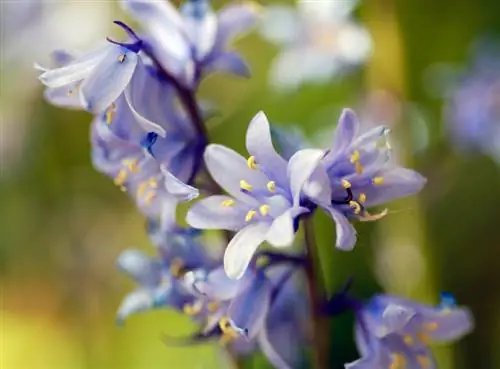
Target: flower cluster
149,135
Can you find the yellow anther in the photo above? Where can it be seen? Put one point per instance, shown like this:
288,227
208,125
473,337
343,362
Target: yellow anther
110,111
228,202
432,326
377,181
153,183
141,189
408,340
193,309
424,361
362,198
264,209
346,184
245,185
122,58
359,168
262,260
123,188
355,206
355,157
424,338
149,197
177,268
225,339
227,328
212,307
131,165
398,361
250,215
271,186
121,177
251,162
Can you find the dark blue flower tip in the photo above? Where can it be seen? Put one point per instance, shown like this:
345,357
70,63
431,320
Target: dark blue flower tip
135,46
148,141
447,300
341,302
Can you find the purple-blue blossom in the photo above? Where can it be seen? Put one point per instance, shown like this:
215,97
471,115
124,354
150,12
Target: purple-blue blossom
264,195
395,333
357,174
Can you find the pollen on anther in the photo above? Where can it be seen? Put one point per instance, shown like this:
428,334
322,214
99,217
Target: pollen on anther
362,198
377,181
153,183
432,326
250,215
246,186
424,338
121,177
355,157
122,58
271,186
346,184
251,162
355,206
264,209
424,361
110,112
359,168
398,361
131,165
408,340
228,202
212,307
149,197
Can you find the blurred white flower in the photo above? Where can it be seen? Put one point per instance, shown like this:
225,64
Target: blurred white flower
319,40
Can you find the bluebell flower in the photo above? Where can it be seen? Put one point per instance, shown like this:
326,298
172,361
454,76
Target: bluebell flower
264,195
472,113
357,174
319,41
393,332
151,168
97,78
194,39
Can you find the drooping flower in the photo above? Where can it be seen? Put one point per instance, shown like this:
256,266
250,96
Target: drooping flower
472,113
357,174
150,167
192,41
265,194
319,40
393,332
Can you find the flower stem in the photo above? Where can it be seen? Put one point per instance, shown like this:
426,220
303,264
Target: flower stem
317,295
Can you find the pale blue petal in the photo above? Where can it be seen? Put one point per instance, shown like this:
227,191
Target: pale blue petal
219,287
109,79
228,62
210,213
395,318
248,310
228,168
234,20
346,131
201,25
281,345
318,187
168,212
139,266
300,167
398,182
451,324
282,233
78,70
177,188
280,25
64,96
242,247
259,144
344,230
369,349
135,302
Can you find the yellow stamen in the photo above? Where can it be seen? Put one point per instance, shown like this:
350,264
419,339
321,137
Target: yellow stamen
355,157
250,215
177,267
228,202
131,165
262,260
271,186
246,186
141,189
424,361
193,309
359,168
122,58
212,307
264,209
148,199
251,162
432,326
377,181
409,340
346,184
398,361
153,183
355,206
362,198
424,338
121,177
110,111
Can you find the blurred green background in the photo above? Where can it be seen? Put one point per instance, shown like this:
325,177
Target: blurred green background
62,224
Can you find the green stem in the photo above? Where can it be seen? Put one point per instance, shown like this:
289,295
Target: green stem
317,295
